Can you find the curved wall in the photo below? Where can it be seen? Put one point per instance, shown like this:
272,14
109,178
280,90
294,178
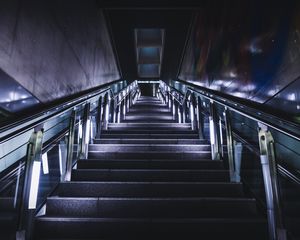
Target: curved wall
55,48
248,51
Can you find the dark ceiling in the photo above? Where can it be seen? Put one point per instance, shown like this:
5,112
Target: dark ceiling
124,17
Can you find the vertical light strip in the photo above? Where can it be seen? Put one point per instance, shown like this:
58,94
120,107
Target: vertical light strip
17,185
34,186
60,159
179,116
124,109
211,130
221,133
192,112
114,120
92,129
153,90
80,130
106,112
119,113
87,131
45,163
173,110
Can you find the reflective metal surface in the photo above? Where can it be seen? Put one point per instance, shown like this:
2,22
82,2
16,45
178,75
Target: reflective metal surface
58,137
277,194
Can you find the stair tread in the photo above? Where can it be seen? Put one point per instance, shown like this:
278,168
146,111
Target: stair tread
150,177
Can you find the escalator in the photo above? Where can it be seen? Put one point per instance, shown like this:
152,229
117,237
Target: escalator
181,162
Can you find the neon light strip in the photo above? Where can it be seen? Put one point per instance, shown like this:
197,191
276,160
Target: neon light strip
35,178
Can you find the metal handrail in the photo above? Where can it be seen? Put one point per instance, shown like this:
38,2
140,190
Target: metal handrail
269,165
12,130
238,108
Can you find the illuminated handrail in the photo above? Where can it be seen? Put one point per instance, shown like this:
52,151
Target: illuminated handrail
194,96
247,111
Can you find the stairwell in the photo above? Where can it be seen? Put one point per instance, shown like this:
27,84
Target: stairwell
149,177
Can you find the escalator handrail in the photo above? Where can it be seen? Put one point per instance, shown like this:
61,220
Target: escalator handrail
249,112
20,126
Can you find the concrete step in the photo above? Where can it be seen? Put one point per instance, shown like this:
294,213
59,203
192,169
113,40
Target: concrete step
149,126
149,131
132,135
148,141
151,207
137,228
149,164
191,155
149,189
147,148
154,175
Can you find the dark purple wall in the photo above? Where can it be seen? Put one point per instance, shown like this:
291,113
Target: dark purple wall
55,48
249,51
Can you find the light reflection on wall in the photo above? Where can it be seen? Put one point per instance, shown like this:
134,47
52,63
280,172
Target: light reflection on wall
247,51
13,97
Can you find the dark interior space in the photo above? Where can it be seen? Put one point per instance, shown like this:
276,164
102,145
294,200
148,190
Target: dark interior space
149,119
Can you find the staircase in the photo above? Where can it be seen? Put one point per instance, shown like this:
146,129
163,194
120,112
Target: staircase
150,178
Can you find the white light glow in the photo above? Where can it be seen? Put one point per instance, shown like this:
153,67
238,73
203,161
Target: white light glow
106,112
60,159
239,94
232,74
45,163
271,92
87,131
218,82
173,110
291,97
115,113
80,130
192,113
215,87
179,116
211,130
92,129
231,85
221,132
119,114
34,186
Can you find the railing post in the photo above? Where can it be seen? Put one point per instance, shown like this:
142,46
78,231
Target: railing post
167,97
192,112
214,136
238,149
99,116
230,149
175,110
106,111
114,112
85,132
131,97
200,118
31,184
171,101
183,111
124,109
111,109
71,145
128,101
119,113
269,169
